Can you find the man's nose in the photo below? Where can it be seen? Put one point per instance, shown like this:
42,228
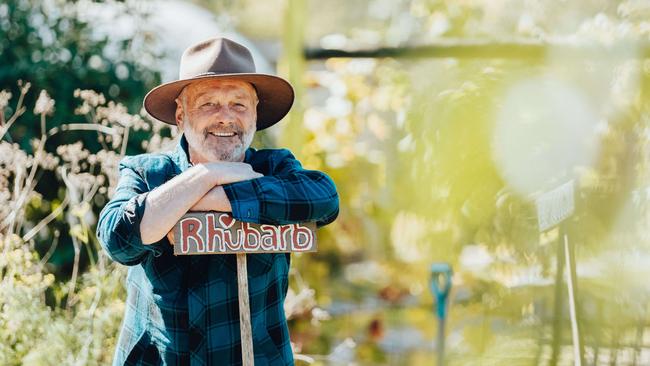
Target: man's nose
224,116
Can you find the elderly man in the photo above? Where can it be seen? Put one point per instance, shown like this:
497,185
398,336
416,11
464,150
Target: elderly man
184,310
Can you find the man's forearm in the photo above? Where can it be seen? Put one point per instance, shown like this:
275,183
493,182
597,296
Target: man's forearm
299,196
166,204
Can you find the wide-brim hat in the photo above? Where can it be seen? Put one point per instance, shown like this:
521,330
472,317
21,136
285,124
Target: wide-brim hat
223,59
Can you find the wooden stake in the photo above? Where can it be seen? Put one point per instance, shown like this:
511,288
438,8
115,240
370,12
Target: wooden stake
578,347
244,312
557,309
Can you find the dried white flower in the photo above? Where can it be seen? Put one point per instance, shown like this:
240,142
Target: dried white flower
24,87
12,156
297,304
73,154
109,165
90,96
49,161
116,113
318,315
5,96
82,181
44,104
91,99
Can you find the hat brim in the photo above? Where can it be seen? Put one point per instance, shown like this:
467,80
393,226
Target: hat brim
274,93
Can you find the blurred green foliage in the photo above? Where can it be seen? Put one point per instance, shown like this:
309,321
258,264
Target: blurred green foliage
58,47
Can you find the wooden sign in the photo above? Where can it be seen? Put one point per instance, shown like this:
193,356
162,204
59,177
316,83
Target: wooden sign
219,233
555,206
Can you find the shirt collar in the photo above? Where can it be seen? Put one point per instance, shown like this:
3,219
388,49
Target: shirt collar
183,154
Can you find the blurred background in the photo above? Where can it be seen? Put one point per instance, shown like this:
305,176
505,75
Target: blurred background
492,160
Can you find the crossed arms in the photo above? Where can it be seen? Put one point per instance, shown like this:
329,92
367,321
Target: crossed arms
197,189
134,222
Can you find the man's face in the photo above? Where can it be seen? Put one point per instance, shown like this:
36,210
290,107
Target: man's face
218,118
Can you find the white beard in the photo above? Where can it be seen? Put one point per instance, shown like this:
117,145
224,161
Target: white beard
196,140
238,152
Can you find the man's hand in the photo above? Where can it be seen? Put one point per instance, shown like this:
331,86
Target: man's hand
227,172
214,200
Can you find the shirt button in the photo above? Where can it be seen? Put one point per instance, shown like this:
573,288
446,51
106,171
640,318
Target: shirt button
249,214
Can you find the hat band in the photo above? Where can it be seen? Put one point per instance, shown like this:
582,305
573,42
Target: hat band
206,73
212,73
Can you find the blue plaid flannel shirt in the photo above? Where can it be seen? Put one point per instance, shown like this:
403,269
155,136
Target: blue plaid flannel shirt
183,310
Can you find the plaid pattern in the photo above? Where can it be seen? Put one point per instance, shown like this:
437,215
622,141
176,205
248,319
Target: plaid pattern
184,310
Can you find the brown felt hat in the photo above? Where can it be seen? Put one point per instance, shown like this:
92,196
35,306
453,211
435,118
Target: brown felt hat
222,58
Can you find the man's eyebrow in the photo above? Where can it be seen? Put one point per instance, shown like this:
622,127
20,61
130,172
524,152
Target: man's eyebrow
199,95
241,96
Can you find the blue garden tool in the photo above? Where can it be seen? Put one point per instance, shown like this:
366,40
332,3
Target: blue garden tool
440,288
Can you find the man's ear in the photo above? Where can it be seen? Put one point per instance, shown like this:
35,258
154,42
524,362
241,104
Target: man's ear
257,102
179,113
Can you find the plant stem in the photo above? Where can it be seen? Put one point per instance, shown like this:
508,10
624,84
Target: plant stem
75,271
47,219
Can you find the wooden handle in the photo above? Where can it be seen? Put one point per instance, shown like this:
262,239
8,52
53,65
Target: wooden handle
244,312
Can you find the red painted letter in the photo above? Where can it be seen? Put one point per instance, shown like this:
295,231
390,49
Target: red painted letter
191,231
282,242
270,237
307,235
215,234
228,222
251,235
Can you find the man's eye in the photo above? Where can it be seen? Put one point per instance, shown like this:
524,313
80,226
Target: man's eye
208,104
240,106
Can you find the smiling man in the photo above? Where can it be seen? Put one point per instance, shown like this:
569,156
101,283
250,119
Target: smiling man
184,310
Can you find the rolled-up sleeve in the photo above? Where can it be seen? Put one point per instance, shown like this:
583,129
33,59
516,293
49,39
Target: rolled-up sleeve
118,228
290,194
